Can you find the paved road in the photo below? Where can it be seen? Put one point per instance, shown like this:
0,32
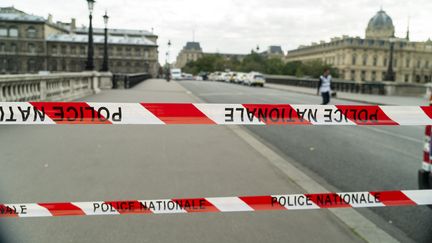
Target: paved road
92,163
348,158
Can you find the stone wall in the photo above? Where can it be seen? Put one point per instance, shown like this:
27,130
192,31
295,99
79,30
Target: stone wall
52,87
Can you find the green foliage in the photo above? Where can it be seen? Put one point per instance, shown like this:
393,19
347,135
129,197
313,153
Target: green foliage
256,62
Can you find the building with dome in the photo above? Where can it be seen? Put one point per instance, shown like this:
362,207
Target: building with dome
369,59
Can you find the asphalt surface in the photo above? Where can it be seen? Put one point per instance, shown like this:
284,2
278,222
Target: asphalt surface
348,158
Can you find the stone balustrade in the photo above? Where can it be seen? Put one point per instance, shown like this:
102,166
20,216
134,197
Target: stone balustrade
52,87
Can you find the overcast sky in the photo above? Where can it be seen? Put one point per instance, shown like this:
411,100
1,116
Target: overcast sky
237,26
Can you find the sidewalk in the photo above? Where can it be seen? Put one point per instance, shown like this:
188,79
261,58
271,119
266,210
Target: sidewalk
149,162
362,98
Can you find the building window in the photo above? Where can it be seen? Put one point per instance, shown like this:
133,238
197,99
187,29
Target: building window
13,47
385,62
2,47
373,76
128,51
31,65
426,78
53,65
3,31
54,49
407,62
146,54
82,50
3,65
31,32
354,60
31,48
352,75
417,78
395,62
63,49
427,64
119,51
137,52
375,61
365,57
13,32
418,63
406,78
73,50
363,75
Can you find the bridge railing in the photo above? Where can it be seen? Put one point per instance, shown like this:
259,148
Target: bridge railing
377,88
127,81
51,87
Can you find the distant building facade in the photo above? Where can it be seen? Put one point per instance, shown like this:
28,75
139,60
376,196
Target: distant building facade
367,59
30,43
192,51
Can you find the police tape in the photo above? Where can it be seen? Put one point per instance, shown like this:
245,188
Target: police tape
222,204
32,113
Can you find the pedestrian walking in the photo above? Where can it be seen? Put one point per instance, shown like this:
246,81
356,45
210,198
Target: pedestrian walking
324,86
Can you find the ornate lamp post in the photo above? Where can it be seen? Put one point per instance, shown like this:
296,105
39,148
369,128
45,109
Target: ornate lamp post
390,75
90,63
105,57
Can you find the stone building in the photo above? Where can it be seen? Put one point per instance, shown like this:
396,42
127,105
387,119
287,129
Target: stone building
367,59
29,44
192,51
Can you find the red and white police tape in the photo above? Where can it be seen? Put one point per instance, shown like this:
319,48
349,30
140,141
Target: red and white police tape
31,113
222,204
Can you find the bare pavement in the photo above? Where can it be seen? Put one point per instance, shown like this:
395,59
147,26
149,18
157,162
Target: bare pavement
93,163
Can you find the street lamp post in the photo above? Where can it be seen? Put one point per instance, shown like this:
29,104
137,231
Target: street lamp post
105,57
90,63
390,75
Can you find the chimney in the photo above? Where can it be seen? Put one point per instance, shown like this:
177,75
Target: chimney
73,24
50,18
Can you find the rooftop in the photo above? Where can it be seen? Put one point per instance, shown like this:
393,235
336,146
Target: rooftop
79,38
13,14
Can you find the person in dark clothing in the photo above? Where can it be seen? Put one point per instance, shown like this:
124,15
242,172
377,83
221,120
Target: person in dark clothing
324,86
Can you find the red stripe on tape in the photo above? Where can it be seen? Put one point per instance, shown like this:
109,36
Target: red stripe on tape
70,112
428,130
328,200
393,198
366,115
129,207
178,113
62,209
262,203
426,157
427,110
274,114
196,205
7,212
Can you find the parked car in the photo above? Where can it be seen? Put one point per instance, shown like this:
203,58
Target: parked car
176,74
240,78
255,79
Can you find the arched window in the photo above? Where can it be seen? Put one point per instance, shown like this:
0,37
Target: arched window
31,32
13,32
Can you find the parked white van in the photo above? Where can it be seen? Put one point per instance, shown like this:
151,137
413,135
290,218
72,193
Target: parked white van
176,74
